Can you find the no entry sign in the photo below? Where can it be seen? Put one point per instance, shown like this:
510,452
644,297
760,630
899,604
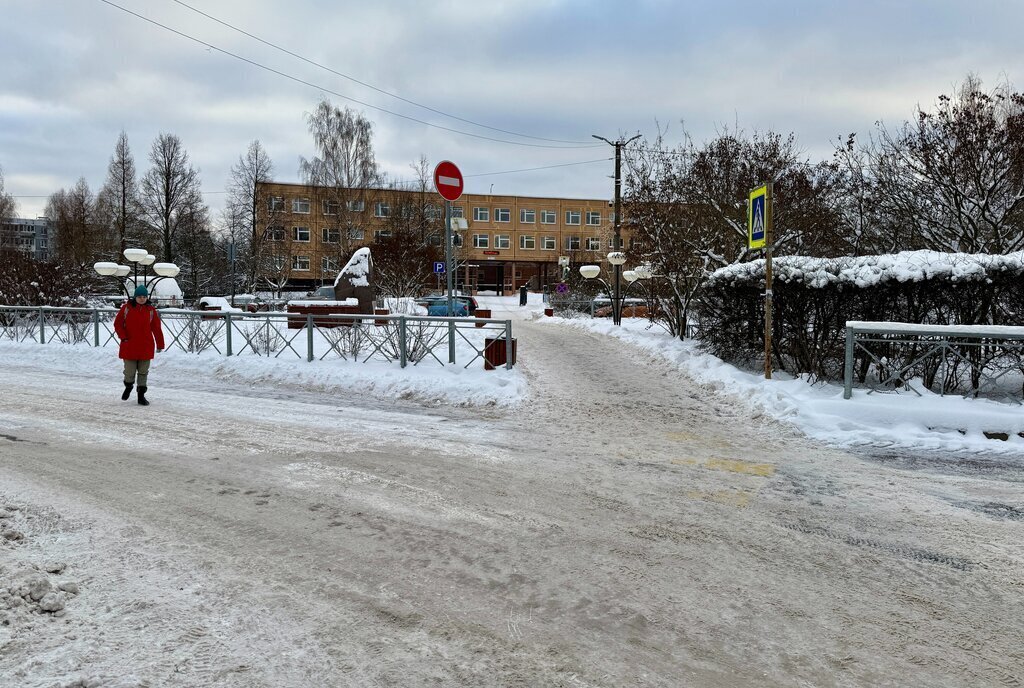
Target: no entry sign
448,180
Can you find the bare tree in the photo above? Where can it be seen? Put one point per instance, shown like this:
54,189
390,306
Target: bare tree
168,188
194,246
343,169
244,208
8,206
79,237
119,197
687,208
413,237
955,176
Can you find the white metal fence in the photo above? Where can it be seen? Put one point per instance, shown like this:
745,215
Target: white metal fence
402,339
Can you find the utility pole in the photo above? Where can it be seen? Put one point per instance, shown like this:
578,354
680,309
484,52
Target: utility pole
617,268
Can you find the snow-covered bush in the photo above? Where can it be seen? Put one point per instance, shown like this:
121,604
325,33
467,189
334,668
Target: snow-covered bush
815,297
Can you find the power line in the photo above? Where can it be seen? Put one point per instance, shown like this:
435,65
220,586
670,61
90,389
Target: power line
414,181
332,92
363,83
534,169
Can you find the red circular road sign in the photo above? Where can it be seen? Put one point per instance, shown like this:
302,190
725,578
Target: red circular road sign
448,180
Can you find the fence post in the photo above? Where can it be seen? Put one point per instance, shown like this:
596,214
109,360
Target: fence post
42,338
451,339
402,352
227,324
309,337
96,327
508,345
848,367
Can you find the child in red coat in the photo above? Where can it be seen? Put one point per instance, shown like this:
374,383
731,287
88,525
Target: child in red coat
138,326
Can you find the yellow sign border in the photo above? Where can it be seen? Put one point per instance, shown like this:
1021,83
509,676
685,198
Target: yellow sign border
756,193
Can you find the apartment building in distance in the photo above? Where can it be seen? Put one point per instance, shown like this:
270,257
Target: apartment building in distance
510,240
31,237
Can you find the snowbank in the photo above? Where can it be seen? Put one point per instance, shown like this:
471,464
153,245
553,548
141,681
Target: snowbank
897,421
427,382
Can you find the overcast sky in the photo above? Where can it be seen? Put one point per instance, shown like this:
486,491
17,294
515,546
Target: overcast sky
76,72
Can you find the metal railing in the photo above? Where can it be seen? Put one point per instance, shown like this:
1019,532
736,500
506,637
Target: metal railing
405,339
947,359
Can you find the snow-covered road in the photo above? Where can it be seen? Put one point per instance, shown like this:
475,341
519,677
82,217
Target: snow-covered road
622,527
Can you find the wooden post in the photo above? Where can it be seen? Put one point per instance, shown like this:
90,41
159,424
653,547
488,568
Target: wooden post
768,285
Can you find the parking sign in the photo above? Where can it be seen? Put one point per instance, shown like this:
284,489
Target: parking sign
438,268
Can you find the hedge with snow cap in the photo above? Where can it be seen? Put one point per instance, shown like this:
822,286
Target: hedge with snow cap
815,297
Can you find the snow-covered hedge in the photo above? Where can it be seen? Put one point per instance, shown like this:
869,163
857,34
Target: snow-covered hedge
815,297
874,271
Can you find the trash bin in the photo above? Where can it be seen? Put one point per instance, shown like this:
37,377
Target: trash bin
495,354
522,295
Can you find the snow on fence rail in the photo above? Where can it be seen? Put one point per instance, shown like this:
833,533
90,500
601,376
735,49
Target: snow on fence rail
944,357
405,339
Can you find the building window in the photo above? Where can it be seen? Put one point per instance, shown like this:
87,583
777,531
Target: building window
572,243
548,243
382,210
572,217
300,206
278,263
547,217
356,206
502,215
528,217
432,212
481,240
275,203
434,240
502,241
527,243
458,211
331,235
593,243
593,217
331,207
275,233
329,264
300,263
379,234
356,233
300,233
612,246
481,215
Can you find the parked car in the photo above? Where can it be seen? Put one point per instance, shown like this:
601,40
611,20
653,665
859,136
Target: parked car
463,306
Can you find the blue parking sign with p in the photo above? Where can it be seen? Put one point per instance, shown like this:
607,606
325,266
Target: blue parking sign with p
438,268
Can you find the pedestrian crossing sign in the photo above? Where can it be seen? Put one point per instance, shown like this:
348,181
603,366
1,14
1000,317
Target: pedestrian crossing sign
759,217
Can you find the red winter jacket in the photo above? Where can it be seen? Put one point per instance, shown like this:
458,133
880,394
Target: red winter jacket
137,326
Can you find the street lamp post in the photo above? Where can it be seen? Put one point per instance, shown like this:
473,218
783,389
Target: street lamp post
616,259
138,257
617,298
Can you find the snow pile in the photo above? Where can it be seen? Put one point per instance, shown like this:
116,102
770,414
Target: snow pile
162,288
896,421
871,271
357,269
427,382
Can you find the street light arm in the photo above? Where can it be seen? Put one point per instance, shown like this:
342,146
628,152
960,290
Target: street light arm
601,138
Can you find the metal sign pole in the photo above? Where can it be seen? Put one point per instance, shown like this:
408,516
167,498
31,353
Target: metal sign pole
448,277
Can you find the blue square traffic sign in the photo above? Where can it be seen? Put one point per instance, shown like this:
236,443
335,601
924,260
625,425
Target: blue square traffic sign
439,268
